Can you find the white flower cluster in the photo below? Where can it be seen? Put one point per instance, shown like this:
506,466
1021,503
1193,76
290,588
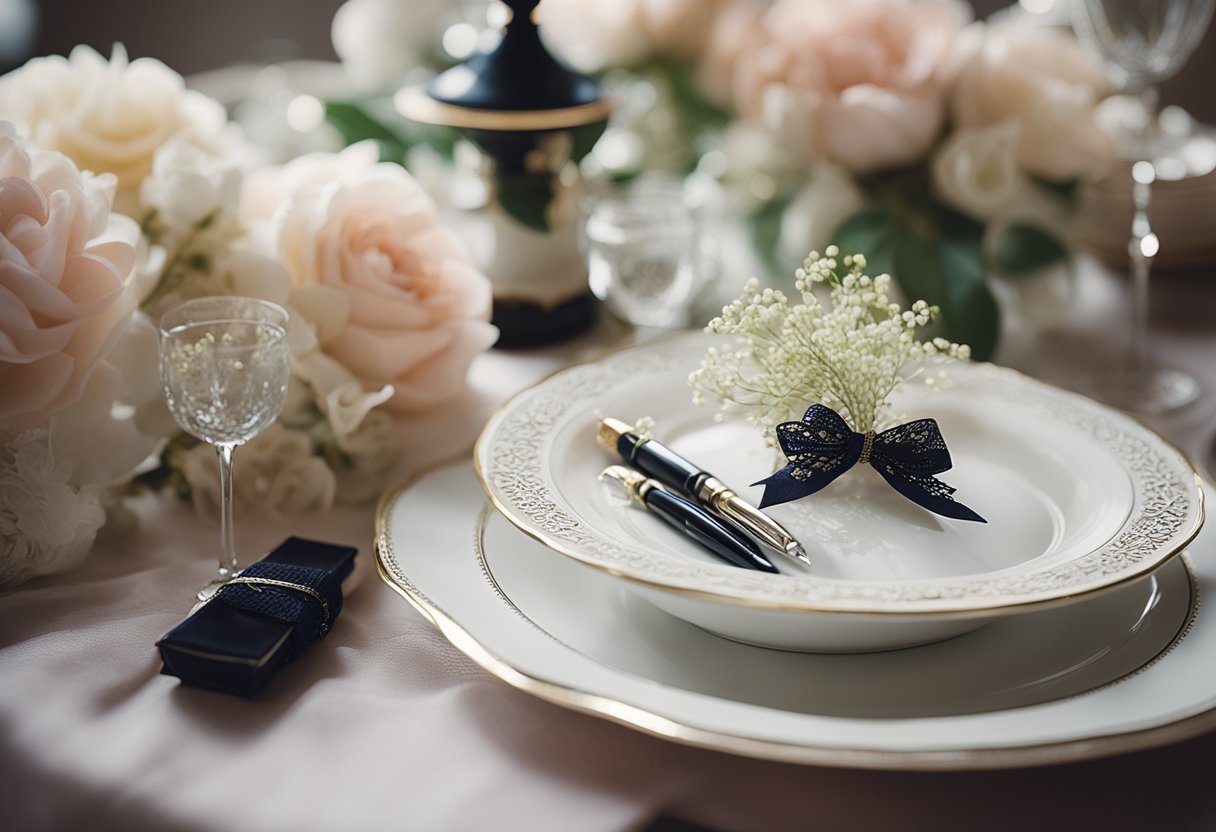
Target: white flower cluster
846,355
155,217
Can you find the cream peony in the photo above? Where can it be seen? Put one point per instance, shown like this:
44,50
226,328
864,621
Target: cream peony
593,35
1044,82
187,185
108,116
861,83
416,309
304,485
65,289
977,172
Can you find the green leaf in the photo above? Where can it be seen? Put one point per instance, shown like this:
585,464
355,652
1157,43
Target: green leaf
1068,191
356,125
970,315
764,226
526,198
871,232
1022,249
933,257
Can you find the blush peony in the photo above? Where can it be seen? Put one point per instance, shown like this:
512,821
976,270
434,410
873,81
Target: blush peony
416,307
862,83
1041,80
66,293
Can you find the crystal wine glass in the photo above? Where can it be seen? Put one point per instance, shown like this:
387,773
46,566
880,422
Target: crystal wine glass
1142,42
224,370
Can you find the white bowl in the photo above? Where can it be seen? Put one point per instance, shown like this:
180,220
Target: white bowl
1078,498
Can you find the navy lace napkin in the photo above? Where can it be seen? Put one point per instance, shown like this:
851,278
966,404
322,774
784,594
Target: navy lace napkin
305,598
822,446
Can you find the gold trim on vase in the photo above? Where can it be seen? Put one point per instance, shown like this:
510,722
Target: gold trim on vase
415,104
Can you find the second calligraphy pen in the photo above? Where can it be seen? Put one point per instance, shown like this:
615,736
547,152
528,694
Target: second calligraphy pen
671,469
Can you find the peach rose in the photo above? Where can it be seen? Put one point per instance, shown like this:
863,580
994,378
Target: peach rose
65,289
862,83
1044,82
108,116
409,306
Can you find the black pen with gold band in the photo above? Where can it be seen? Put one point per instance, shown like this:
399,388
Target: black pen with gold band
660,462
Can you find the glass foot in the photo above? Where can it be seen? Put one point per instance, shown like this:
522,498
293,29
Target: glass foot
207,592
1152,390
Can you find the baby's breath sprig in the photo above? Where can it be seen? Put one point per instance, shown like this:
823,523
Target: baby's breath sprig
787,357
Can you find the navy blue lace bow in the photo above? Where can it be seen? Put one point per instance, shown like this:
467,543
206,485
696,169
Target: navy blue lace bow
821,447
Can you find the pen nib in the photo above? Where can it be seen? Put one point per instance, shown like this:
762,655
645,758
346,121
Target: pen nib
794,549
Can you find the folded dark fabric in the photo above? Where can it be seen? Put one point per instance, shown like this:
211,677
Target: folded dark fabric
262,619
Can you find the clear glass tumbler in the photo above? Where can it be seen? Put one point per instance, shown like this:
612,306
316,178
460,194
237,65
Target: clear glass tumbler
644,256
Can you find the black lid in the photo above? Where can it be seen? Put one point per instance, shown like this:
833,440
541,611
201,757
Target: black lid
517,85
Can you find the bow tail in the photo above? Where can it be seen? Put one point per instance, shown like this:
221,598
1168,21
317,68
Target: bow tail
783,486
927,492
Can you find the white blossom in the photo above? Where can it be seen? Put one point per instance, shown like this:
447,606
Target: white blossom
846,355
46,525
303,485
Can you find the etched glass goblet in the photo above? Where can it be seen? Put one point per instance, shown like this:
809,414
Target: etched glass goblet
224,370
1143,42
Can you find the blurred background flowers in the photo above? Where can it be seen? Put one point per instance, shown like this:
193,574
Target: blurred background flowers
961,147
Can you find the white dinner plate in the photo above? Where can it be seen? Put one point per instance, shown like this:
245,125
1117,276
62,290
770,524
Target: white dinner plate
1122,670
1078,498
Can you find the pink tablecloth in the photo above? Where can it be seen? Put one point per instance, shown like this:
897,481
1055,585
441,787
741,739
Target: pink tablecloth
385,725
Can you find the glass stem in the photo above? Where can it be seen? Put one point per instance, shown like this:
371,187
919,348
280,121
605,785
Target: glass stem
1143,244
227,541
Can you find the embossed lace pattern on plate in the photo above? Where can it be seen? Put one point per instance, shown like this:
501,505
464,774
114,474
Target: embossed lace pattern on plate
1165,515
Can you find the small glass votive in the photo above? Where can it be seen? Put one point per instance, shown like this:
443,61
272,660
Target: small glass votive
644,256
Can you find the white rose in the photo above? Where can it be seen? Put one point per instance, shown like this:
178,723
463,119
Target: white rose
596,34
593,36
373,450
187,185
379,41
977,171
1044,81
305,485
97,446
255,467
826,201
46,525
109,116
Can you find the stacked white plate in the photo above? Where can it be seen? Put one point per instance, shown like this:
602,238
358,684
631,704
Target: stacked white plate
1055,605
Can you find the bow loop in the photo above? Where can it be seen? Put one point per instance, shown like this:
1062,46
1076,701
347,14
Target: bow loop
915,447
821,446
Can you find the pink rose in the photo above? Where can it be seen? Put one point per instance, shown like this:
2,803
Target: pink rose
65,289
409,306
862,83
1043,81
